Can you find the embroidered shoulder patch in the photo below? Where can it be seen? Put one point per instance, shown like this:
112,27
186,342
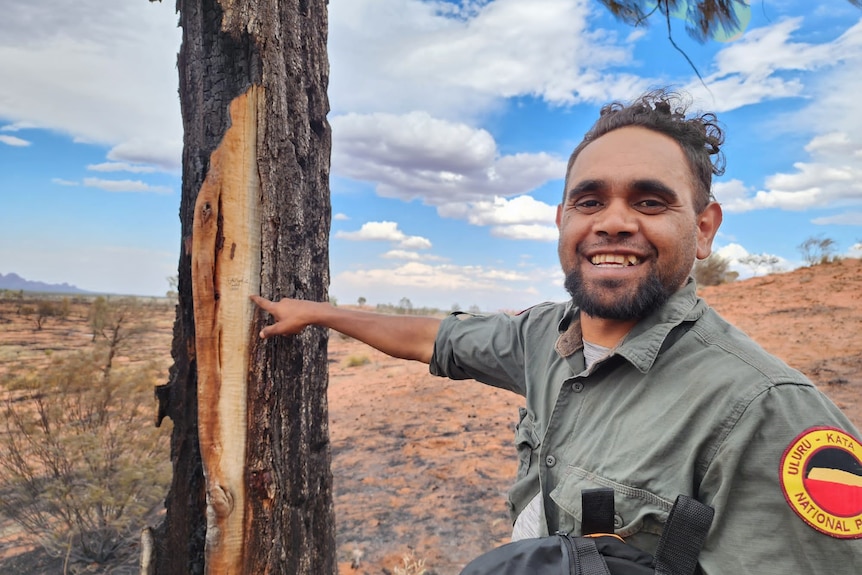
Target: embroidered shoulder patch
821,478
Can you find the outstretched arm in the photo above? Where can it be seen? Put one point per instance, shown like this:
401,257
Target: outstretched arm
405,337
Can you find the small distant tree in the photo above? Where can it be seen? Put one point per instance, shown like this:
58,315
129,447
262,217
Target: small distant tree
761,262
26,310
64,309
44,309
361,301
117,321
405,306
817,250
98,316
19,301
173,283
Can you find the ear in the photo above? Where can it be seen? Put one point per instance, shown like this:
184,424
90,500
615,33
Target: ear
559,215
708,222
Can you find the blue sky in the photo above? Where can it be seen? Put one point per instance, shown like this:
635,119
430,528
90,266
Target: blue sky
452,123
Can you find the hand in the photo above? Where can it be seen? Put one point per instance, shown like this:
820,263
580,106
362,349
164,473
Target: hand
291,315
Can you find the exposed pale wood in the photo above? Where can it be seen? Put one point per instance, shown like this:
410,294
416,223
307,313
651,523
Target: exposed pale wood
148,567
225,271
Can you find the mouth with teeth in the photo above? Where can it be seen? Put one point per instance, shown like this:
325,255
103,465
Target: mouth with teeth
615,260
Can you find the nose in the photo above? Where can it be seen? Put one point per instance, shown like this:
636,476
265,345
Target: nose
618,218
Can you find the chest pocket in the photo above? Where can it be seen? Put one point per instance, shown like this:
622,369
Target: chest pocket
639,515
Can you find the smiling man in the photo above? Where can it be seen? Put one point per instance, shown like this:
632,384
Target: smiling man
631,223
636,383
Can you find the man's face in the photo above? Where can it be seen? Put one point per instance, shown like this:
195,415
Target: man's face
629,234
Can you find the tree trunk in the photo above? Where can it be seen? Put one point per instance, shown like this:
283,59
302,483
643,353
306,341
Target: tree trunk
252,487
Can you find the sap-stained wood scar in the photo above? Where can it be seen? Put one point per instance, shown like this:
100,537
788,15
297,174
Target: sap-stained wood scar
225,271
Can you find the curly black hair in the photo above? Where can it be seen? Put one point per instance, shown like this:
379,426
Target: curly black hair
663,111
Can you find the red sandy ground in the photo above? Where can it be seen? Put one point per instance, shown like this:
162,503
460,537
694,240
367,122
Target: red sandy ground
421,465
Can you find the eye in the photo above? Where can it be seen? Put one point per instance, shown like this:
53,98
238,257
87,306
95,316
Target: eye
650,206
588,206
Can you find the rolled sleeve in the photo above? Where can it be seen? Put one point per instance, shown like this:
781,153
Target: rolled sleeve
485,348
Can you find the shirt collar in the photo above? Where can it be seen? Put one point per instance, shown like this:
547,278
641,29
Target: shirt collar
642,344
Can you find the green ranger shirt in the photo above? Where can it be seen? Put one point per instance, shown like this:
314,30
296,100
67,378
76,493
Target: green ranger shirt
685,404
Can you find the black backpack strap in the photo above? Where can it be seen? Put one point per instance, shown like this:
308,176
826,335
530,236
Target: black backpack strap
581,556
598,511
683,537
589,561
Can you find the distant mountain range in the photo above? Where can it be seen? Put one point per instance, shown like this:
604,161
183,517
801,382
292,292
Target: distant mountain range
16,282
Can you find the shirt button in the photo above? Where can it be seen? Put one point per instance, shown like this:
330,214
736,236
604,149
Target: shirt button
550,461
577,387
618,521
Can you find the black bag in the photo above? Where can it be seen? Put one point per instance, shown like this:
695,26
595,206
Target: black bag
598,551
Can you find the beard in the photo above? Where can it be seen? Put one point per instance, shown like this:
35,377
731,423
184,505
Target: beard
649,295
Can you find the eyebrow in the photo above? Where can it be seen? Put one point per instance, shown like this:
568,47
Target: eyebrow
647,185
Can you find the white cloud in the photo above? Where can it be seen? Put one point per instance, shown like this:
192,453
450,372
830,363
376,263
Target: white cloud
339,217
831,143
403,55
417,156
14,141
62,182
387,232
831,175
121,167
163,153
407,255
834,117
732,195
519,210
111,65
526,232
125,186
813,185
17,127
842,219
760,65
415,243
521,218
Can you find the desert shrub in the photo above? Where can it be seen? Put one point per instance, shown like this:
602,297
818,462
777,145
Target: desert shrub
712,271
357,360
817,250
83,463
410,566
